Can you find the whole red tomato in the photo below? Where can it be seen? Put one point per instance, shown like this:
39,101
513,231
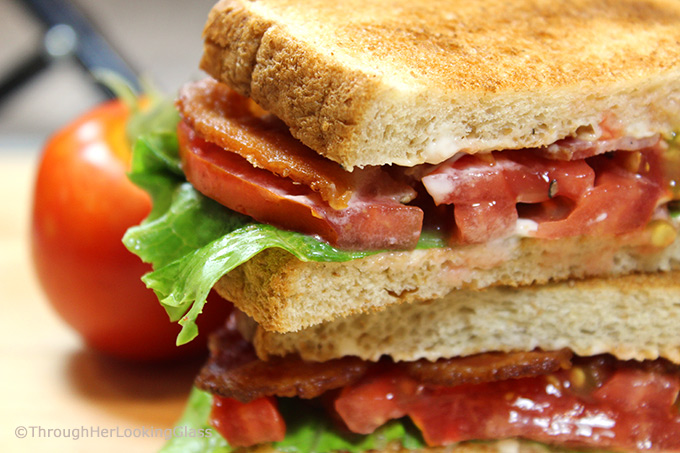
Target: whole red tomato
83,204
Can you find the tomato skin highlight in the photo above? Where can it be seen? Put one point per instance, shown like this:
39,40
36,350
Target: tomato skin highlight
83,204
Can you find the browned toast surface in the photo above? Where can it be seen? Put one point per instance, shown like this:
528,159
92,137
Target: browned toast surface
401,81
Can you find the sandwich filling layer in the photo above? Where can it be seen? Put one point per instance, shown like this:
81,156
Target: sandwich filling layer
551,397
244,158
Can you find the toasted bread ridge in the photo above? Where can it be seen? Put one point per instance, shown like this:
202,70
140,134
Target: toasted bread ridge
633,317
399,82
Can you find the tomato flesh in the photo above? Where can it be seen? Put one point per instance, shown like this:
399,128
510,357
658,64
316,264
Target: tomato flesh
598,215
369,222
598,196
632,409
245,424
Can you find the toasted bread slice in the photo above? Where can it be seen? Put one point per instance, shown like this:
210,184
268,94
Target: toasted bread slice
284,294
398,82
631,317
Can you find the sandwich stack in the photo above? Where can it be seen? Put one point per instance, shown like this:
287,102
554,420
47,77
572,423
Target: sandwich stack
448,222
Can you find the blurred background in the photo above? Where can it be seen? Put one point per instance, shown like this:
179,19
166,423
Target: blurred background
50,379
160,39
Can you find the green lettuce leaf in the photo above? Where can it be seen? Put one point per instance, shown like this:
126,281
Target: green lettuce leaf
308,430
192,241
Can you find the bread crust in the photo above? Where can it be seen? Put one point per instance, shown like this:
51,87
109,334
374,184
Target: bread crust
283,294
371,83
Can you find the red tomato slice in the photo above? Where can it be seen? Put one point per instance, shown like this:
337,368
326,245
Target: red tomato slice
620,201
605,195
480,222
633,409
376,220
372,403
246,424
633,390
485,189
534,179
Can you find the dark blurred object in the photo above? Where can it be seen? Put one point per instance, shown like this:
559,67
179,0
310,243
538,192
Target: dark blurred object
69,33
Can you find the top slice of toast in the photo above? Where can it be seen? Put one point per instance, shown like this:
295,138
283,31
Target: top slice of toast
368,82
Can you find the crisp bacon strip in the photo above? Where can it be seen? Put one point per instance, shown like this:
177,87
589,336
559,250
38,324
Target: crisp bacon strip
222,116
234,370
488,367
